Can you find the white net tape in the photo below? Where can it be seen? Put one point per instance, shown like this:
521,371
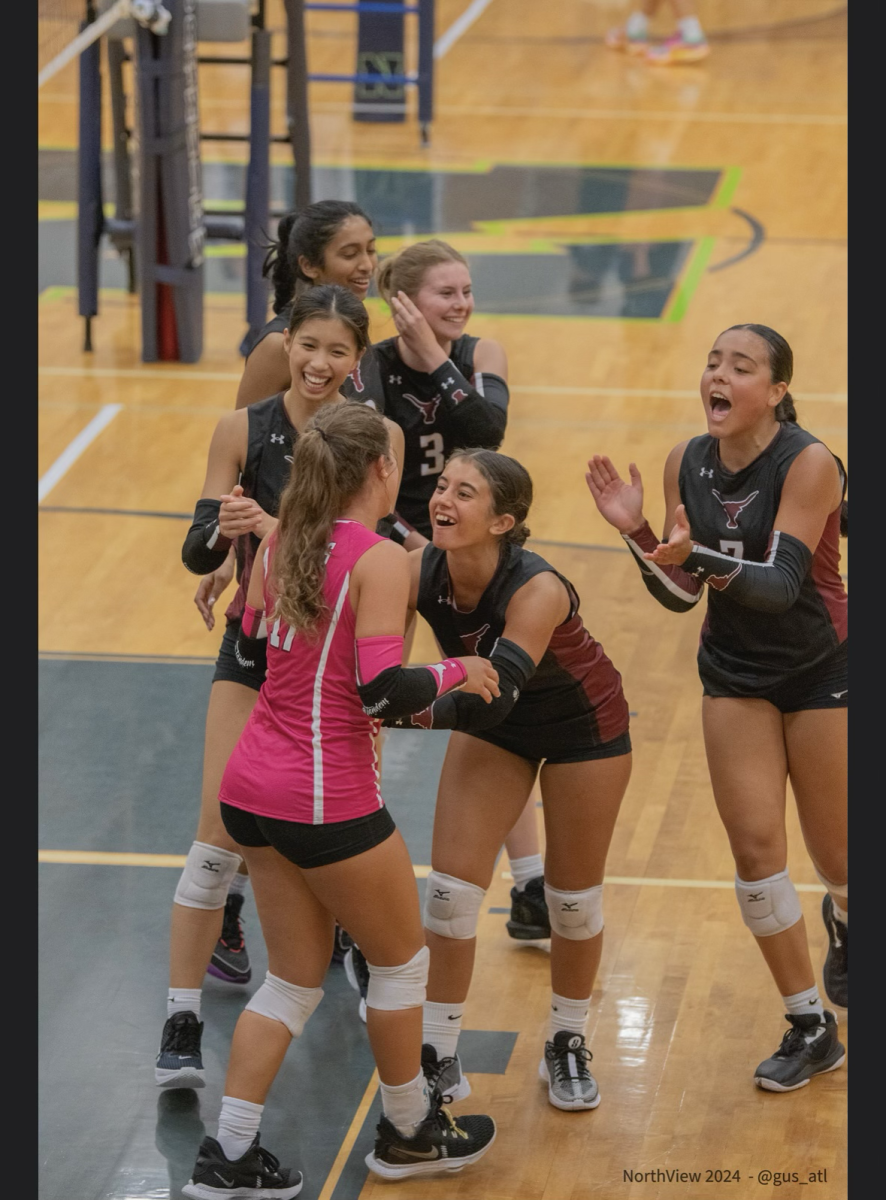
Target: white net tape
60,18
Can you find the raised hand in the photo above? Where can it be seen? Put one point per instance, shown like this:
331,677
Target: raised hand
482,677
619,502
678,547
416,334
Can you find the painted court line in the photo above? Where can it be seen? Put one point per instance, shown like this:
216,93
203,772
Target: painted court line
641,115
113,859
69,456
533,388
460,25
350,1137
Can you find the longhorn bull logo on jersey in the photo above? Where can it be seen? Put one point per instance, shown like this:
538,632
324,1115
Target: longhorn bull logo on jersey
471,641
734,507
357,379
428,408
721,582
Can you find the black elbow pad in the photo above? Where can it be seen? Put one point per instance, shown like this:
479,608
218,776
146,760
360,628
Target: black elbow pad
205,549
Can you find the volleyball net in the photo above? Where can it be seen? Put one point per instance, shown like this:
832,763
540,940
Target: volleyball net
65,28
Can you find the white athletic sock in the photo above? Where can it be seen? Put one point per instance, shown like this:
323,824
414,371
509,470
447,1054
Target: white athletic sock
839,913
569,1014
690,29
637,25
407,1104
441,1025
238,885
524,869
183,1000
805,1002
238,1124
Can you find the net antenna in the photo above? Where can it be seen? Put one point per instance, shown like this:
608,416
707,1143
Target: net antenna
56,14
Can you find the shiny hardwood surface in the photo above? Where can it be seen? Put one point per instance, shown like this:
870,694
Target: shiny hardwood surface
684,1008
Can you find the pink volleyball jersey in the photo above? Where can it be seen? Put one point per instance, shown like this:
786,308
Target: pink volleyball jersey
307,753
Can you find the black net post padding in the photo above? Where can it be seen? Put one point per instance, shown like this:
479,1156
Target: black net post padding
425,68
258,181
379,54
297,101
171,229
123,207
89,181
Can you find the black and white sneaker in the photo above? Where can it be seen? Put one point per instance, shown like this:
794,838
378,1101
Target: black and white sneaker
529,912
809,1047
442,1143
230,961
256,1176
341,944
565,1070
836,965
180,1063
357,971
444,1075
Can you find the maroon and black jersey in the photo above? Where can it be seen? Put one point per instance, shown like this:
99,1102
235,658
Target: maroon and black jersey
441,411
271,439
742,648
575,696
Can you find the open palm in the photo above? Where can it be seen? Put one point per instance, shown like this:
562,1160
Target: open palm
619,502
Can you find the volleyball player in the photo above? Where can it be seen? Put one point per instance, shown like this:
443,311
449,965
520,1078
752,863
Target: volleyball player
561,708
300,796
249,463
754,511
687,44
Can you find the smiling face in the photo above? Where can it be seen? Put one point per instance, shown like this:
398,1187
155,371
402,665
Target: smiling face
322,351
736,385
349,259
461,508
445,299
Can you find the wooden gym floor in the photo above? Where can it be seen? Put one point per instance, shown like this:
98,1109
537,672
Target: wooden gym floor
747,151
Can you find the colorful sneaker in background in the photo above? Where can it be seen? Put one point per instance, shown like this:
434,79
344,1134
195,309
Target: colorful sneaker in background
676,50
622,39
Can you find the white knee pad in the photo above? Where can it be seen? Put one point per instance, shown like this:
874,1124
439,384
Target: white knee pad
207,876
391,988
841,890
287,1003
768,906
452,906
575,915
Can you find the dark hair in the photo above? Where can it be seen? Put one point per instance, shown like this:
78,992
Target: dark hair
329,465
781,367
328,301
509,484
306,233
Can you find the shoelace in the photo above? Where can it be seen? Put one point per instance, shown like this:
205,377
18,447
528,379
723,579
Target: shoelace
182,1036
445,1120
232,931
559,1057
270,1163
794,1041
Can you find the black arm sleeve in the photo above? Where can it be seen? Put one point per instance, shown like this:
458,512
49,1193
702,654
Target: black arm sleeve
478,414
398,691
771,586
672,587
395,527
469,712
205,549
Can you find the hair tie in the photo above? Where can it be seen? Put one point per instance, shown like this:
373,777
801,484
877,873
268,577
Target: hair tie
322,433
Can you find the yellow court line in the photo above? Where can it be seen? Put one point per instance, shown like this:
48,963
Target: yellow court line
350,1137
160,373
115,859
107,858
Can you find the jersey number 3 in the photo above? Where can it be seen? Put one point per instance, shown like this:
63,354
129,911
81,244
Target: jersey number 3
432,444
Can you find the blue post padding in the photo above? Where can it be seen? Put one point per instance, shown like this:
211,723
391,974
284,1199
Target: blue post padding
258,181
89,180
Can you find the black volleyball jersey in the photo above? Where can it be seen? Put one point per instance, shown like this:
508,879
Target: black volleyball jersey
271,439
277,324
740,647
575,678
436,415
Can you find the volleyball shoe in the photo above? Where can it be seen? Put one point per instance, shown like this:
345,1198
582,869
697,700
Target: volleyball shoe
676,50
836,965
442,1143
256,1176
810,1047
230,961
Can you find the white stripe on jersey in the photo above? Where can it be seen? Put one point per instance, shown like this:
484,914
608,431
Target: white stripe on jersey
478,382
651,568
315,708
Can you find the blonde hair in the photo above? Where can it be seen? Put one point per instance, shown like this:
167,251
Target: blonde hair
405,271
329,466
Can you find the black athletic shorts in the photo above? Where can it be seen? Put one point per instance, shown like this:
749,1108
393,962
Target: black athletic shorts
825,685
309,845
227,668
540,746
